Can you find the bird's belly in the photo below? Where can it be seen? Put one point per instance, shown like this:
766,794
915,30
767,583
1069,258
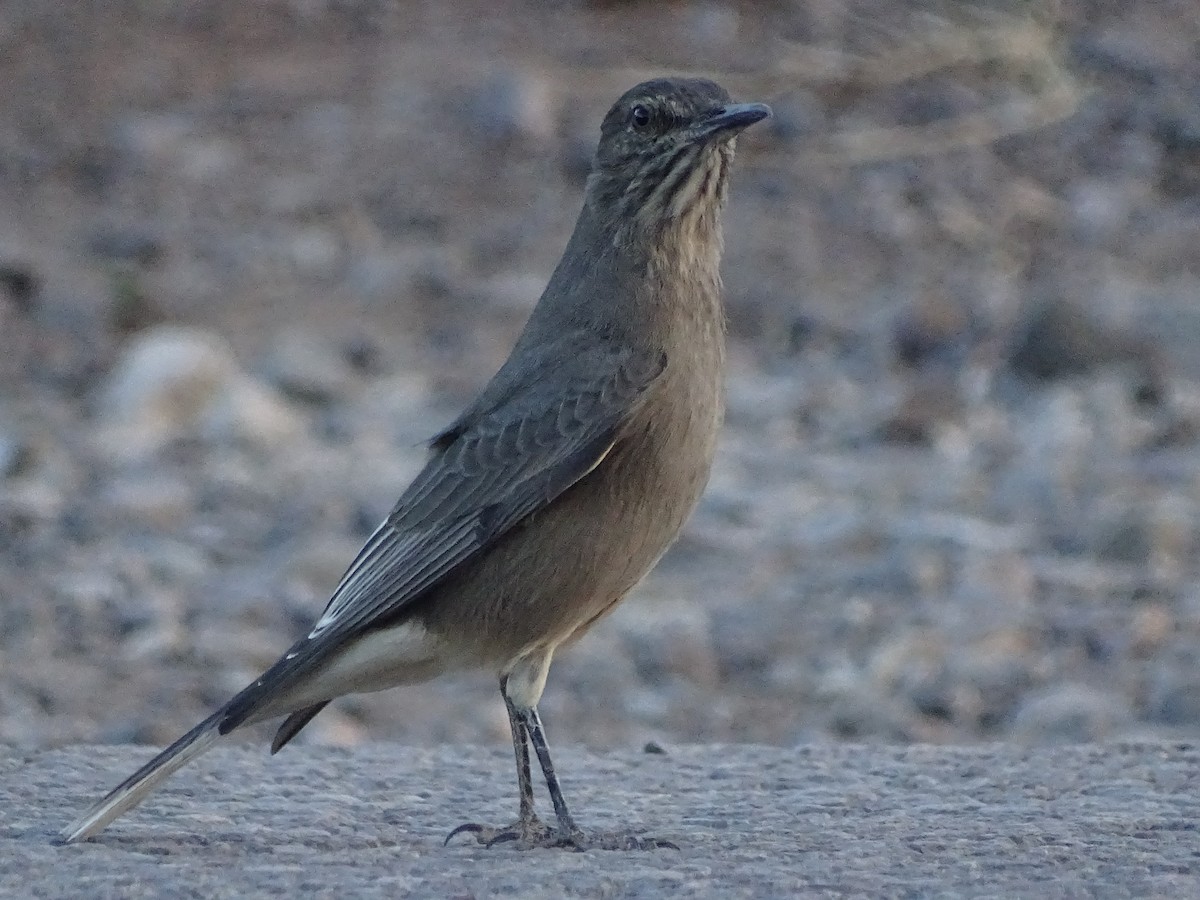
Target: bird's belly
552,576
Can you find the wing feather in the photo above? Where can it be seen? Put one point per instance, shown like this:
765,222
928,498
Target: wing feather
487,473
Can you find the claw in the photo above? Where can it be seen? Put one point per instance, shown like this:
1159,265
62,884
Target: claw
465,828
534,834
527,833
617,840
503,837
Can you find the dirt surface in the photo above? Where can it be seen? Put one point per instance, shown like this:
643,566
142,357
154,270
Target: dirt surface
252,254
1113,821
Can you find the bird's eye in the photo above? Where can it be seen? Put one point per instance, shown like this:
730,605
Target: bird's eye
639,116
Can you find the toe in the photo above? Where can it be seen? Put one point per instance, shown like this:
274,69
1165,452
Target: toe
502,836
621,840
526,834
482,832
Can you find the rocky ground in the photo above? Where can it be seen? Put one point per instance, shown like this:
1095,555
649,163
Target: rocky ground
251,255
822,821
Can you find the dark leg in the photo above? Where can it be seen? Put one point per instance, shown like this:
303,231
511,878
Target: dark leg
521,749
569,834
528,830
532,724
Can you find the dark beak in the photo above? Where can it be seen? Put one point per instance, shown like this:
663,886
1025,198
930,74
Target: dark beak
733,118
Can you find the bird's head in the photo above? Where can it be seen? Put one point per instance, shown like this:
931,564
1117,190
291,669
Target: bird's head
664,155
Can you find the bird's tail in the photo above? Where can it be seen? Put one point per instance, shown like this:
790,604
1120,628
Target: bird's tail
130,792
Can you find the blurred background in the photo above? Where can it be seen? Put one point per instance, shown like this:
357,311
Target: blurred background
251,255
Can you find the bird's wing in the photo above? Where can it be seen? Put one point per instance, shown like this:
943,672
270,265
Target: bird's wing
492,468
487,474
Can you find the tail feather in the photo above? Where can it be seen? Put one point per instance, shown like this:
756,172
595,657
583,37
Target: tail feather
130,792
292,724
257,701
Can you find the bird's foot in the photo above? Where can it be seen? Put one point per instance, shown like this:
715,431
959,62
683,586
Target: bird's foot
525,833
534,834
611,840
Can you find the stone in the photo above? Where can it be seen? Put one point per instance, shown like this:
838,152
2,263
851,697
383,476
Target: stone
307,367
1059,339
152,500
670,639
139,244
172,382
514,105
1070,713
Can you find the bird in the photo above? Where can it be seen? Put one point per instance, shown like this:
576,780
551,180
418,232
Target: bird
559,488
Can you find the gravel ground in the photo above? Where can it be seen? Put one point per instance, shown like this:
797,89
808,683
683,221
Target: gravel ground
252,255
827,821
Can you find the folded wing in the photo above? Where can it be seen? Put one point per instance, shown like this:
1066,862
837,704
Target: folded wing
490,470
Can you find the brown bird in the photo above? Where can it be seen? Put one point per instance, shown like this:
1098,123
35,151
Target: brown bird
560,487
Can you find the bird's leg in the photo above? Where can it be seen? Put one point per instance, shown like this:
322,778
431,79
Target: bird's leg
528,830
522,687
532,723
521,749
570,835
